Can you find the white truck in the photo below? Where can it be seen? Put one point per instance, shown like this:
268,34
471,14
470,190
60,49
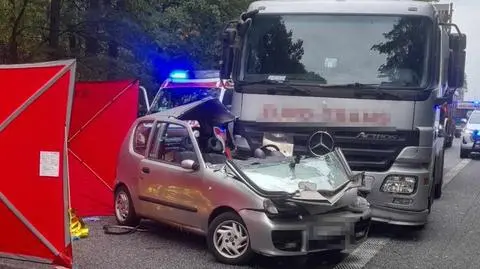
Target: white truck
371,74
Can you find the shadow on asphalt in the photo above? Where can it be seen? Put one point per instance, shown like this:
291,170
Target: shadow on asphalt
404,233
193,241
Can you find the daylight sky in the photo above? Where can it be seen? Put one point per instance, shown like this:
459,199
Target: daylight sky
466,16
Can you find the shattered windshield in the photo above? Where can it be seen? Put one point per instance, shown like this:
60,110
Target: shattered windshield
173,97
320,173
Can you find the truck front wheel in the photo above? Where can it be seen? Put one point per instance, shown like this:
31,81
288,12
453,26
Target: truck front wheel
448,142
438,176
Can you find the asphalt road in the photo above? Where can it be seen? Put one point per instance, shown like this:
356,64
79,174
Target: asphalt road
450,240
440,244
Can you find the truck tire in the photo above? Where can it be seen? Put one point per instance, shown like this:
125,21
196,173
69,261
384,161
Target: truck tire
448,142
439,166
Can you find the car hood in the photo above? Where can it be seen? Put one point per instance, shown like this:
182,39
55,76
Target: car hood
323,179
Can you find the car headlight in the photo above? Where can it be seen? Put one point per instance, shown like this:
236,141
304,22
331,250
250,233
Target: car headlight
359,205
399,184
270,207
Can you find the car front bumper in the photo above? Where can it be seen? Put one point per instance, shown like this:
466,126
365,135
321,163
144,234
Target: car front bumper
399,209
277,237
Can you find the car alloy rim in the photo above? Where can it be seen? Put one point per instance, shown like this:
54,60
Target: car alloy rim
121,206
231,239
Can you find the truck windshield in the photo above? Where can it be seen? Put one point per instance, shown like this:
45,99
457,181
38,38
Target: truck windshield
338,49
173,97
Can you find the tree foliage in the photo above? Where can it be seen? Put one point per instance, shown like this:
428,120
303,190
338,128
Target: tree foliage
113,39
274,50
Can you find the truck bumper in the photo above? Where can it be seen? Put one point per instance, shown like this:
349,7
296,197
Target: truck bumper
400,209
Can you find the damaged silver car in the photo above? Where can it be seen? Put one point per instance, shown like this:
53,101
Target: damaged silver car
197,176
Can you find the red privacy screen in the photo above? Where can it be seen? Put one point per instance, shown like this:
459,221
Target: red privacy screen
102,114
34,118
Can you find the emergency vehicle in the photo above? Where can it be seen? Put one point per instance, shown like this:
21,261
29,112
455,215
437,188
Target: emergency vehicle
183,87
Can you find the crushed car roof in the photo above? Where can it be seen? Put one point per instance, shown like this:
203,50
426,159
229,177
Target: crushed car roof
208,109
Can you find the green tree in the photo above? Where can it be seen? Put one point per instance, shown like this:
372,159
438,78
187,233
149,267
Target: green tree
114,39
274,50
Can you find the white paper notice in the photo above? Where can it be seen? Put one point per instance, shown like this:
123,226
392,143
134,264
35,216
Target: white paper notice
49,163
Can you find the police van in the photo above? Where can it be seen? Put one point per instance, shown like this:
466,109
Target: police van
183,87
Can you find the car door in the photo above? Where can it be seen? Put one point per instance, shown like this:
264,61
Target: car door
175,193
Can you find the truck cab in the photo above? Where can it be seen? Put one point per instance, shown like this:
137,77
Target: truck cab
372,74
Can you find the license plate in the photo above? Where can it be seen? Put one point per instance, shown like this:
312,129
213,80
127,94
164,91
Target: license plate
328,230
283,142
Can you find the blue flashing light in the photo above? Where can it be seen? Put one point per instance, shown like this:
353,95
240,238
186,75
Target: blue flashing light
476,102
179,74
476,135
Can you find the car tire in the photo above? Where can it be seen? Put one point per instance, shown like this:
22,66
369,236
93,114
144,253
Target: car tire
464,154
124,209
233,230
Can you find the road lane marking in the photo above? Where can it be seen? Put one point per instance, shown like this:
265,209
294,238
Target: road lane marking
370,248
363,254
450,175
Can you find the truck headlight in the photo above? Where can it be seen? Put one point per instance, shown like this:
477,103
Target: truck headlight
270,207
359,205
399,184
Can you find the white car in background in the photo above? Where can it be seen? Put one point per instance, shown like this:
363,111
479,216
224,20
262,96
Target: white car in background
471,136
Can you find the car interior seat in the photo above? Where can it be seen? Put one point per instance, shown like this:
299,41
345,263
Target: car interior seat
180,156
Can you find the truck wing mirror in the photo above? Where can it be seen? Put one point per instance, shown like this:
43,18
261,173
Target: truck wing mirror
456,65
228,40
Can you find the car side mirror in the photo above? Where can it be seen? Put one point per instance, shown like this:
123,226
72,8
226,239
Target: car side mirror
464,120
190,165
456,65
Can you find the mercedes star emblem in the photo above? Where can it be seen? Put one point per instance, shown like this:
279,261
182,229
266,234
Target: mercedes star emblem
320,143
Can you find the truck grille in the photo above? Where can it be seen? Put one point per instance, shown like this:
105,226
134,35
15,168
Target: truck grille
362,154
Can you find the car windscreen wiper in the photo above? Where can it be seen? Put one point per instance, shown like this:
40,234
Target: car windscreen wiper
282,85
378,89
355,85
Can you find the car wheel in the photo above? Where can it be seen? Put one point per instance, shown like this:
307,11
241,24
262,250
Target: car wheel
464,154
124,210
228,239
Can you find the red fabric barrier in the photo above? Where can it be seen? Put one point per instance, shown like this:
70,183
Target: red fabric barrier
102,113
35,103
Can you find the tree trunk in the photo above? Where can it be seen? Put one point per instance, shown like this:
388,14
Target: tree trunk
112,43
13,57
91,42
53,38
